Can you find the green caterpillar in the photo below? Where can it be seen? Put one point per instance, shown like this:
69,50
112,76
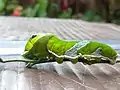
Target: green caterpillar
48,48
44,48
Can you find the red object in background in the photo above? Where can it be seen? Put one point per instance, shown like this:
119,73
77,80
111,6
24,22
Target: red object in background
64,5
17,11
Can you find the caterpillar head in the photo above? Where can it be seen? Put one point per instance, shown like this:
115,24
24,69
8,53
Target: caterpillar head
36,46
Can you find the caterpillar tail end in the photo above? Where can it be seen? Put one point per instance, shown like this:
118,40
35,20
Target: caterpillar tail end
118,59
1,60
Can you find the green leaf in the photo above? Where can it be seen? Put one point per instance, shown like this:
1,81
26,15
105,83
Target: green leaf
97,18
2,5
66,14
27,12
34,11
53,10
42,8
11,7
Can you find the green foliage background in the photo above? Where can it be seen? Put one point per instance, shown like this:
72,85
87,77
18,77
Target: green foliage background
43,8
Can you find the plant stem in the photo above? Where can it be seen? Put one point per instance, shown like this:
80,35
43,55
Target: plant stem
1,60
65,60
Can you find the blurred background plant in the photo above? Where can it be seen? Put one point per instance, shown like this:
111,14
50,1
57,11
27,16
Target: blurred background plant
89,10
